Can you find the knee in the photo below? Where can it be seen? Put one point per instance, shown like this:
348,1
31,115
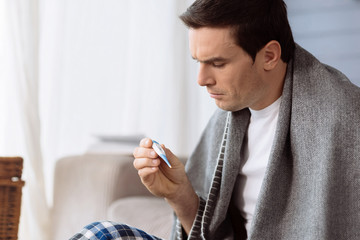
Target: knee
99,230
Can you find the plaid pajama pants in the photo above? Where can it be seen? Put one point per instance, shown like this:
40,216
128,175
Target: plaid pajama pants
108,230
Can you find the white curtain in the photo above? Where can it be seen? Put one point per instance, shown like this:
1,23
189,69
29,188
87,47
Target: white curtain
117,67
20,123
74,69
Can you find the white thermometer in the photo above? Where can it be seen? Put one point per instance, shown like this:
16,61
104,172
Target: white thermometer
160,151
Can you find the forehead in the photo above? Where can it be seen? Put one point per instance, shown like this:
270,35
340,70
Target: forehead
207,42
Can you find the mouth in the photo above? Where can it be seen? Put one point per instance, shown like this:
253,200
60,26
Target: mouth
215,95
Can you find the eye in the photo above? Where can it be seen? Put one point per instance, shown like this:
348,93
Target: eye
218,64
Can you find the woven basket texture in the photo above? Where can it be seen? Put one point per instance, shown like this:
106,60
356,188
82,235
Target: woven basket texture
10,196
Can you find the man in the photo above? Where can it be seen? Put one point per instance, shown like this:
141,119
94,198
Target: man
280,159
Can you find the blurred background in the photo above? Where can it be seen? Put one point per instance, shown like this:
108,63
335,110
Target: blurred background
76,73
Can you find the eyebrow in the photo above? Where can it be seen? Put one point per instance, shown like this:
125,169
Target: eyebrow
211,60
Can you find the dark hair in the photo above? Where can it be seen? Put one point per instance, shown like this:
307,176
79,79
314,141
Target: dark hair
254,22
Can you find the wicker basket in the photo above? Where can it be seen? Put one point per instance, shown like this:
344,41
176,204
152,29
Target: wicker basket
10,196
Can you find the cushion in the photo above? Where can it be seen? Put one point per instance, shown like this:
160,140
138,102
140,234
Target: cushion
150,214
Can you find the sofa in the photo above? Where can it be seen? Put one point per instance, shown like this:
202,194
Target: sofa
96,187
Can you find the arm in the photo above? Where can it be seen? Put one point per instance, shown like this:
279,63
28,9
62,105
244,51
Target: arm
170,183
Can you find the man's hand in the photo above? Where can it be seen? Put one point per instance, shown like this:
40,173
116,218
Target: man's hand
158,178
170,183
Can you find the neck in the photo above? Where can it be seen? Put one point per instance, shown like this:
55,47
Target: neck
275,82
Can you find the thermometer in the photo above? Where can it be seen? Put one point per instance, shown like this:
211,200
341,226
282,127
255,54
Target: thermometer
160,151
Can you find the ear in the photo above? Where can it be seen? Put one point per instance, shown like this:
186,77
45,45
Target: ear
272,55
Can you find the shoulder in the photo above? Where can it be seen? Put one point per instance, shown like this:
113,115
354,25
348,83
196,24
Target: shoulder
315,83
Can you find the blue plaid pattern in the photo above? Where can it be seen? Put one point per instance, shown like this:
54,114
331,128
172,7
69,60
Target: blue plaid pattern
108,230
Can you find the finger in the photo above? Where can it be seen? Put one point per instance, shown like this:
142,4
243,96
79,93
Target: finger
146,142
147,174
140,163
170,156
142,152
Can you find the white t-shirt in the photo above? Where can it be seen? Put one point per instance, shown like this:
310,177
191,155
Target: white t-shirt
255,156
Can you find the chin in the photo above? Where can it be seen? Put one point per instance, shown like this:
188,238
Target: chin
230,108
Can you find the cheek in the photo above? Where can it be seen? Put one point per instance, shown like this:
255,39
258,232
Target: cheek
240,81
233,76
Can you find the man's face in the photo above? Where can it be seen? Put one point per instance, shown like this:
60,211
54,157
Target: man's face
228,72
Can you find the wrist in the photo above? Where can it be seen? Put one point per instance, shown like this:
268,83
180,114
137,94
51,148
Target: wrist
185,204
183,195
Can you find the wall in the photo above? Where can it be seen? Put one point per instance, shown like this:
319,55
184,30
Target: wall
329,29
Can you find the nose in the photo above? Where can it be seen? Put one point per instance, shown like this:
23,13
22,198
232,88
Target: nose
205,76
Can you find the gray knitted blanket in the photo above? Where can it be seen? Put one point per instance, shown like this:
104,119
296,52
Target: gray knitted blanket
311,188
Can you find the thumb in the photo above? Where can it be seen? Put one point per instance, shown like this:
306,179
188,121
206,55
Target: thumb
174,161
